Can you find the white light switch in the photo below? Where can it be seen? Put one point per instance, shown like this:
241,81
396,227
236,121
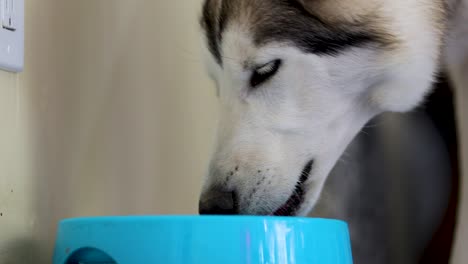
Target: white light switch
12,35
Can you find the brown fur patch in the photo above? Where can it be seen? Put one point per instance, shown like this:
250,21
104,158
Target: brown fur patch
343,11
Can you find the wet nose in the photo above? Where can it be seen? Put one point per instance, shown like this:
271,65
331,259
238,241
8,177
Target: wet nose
217,202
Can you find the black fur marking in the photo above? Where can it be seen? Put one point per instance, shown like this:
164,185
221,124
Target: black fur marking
297,25
222,20
208,22
284,21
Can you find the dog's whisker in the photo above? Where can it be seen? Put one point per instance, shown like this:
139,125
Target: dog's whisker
363,131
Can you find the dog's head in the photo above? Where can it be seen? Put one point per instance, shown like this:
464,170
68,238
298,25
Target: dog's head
297,80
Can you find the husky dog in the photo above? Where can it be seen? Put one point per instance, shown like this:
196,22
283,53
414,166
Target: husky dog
298,79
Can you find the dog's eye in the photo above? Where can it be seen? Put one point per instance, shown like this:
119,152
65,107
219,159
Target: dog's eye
264,72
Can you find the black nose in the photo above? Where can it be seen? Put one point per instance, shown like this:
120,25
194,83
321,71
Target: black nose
218,203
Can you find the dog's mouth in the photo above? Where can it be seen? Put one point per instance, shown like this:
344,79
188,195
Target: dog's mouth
297,198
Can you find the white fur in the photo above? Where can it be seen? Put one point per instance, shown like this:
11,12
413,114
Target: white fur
410,69
311,109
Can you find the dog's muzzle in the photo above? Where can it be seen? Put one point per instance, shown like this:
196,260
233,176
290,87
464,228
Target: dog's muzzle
219,201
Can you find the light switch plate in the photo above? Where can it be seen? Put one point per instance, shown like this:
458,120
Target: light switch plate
12,35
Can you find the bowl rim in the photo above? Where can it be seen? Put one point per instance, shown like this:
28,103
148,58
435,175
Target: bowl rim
198,218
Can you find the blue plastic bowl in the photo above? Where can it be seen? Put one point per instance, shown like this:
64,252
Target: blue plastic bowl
202,240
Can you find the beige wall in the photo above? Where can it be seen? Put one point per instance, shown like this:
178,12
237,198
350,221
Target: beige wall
458,58
461,247
112,115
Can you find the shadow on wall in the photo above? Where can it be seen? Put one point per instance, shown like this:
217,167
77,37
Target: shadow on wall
22,251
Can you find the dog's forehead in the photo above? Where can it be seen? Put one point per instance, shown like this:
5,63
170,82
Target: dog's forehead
287,21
